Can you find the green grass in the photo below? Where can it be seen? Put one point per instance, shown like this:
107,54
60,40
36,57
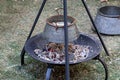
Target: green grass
16,19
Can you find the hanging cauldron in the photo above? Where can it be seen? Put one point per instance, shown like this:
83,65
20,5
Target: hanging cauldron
54,29
108,20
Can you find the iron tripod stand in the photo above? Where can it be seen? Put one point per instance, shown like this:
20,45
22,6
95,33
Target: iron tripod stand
50,67
66,36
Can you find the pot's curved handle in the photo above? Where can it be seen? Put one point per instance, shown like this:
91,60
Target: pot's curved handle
102,3
57,10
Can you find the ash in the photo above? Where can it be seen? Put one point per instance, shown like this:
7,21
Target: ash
55,52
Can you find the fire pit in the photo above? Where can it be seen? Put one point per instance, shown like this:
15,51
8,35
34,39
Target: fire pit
82,49
60,31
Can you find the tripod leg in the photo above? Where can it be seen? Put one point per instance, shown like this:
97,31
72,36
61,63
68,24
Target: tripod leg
22,56
49,70
105,67
32,29
67,72
95,27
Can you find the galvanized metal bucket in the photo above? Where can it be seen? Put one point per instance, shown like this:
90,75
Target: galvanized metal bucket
107,20
54,29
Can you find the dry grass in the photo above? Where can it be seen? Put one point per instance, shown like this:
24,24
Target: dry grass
16,19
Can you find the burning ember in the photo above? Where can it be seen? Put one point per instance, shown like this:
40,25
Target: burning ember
55,52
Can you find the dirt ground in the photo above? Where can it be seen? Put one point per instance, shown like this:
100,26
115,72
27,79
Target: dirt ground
16,19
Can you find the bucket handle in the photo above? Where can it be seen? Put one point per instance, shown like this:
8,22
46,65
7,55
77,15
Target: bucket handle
57,10
102,3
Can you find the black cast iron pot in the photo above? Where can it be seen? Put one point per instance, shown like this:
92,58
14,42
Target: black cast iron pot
54,29
107,20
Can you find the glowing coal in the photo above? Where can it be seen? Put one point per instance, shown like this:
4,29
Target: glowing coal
55,52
